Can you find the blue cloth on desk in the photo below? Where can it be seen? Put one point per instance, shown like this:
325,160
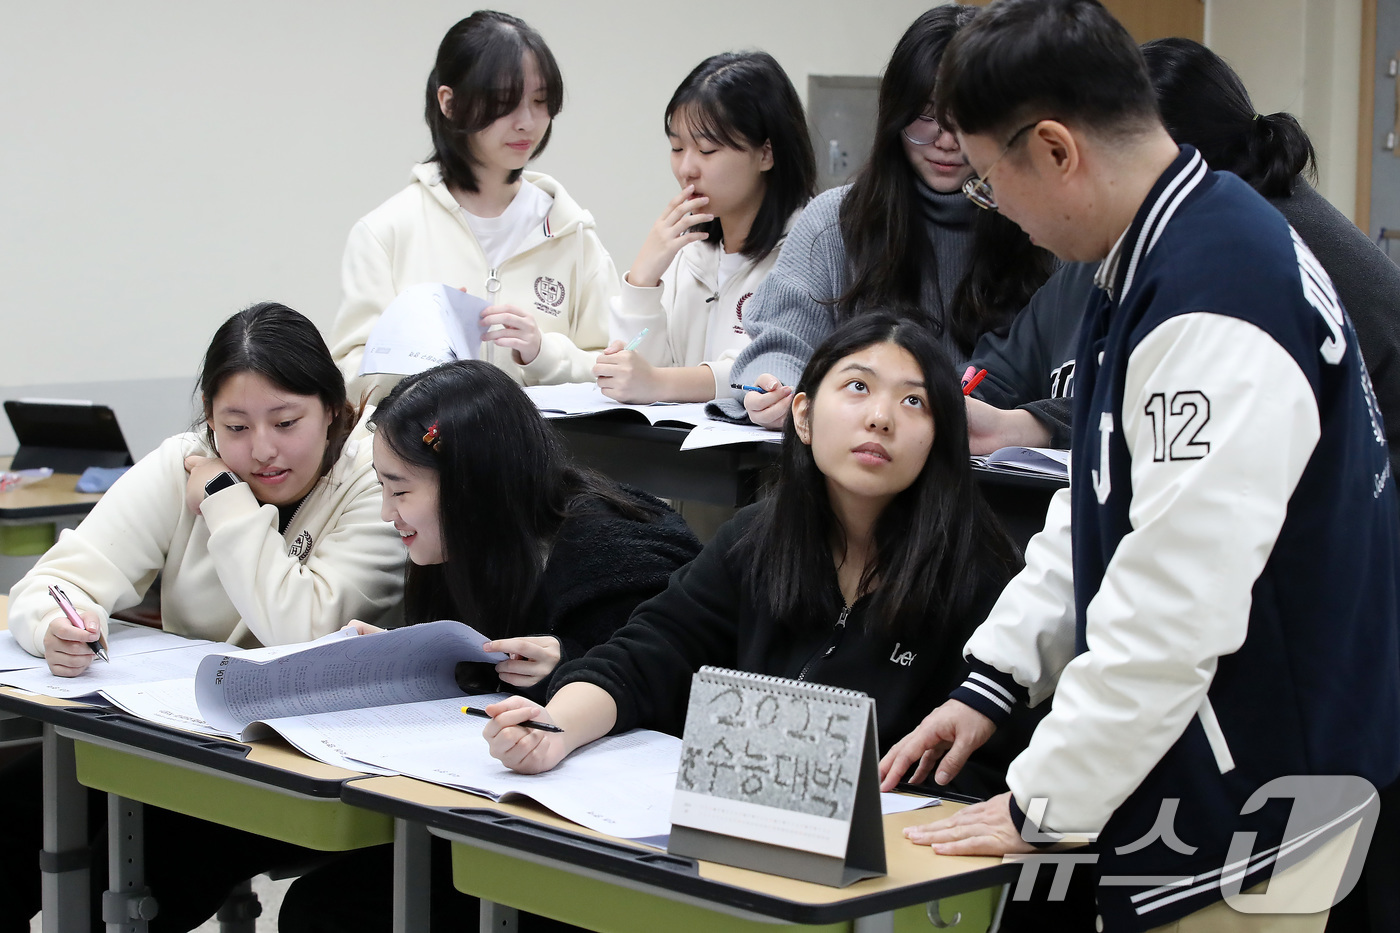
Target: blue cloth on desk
99,479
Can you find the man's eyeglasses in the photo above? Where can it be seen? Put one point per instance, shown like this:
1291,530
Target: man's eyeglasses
977,188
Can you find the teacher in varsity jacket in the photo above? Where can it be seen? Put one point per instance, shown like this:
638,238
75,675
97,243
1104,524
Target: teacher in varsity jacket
1227,613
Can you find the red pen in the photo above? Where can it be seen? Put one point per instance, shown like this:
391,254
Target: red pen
974,382
64,603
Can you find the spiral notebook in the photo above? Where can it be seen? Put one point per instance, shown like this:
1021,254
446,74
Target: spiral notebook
780,776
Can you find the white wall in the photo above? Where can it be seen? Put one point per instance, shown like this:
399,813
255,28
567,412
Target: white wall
164,164
1302,56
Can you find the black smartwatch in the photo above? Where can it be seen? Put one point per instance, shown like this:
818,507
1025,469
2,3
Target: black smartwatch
223,481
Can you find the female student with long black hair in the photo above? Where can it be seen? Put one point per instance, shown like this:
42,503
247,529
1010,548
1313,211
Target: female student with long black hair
506,533
901,237
742,156
264,526
474,218
875,549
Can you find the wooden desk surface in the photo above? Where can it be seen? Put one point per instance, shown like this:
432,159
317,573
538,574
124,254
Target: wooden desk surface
45,499
907,863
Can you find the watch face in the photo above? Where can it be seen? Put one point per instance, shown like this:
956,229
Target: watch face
222,481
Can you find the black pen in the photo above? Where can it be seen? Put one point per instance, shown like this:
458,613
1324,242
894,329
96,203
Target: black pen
529,723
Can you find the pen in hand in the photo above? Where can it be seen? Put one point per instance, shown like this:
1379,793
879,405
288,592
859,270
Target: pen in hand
528,724
971,382
65,604
758,389
636,341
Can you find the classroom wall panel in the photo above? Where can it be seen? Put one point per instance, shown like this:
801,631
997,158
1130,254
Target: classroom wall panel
165,164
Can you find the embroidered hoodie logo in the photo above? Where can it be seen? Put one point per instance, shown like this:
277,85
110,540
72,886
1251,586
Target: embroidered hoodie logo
549,294
739,312
301,547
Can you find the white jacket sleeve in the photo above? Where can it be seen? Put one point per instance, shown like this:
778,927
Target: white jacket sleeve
650,308
367,288
1220,423
570,357
1029,634
355,566
109,561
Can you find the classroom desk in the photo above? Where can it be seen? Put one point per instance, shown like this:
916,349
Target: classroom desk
50,498
523,856
266,788
649,457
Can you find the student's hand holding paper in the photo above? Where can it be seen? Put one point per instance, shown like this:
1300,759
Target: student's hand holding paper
674,229
201,471
769,408
625,375
519,748
950,733
67,648
531,659
518,331
361,628
982,829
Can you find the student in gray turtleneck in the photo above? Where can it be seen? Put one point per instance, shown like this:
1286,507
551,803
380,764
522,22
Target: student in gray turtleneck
902,237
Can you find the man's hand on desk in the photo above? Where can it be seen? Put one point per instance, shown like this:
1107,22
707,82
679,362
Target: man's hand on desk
67,648
947,738
982,829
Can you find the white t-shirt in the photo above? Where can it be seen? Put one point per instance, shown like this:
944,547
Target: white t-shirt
499,236
730,263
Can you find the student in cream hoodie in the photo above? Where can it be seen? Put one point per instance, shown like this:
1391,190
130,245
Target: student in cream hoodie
474,219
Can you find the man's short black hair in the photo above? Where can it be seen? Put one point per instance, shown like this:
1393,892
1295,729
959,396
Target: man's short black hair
1023,60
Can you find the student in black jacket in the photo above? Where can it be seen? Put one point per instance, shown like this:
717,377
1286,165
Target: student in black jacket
503,532
866,569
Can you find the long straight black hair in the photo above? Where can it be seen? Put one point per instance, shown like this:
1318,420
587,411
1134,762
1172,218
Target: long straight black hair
287,350
482,58
936,543
1205,104
505,485
742,100
882,226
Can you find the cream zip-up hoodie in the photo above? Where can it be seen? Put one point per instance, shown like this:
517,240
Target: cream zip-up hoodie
560,272
682,310
228,575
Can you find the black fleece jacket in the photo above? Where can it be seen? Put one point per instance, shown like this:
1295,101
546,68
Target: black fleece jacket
601,565
709,615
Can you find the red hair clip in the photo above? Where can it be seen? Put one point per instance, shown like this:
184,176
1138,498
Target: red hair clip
432,438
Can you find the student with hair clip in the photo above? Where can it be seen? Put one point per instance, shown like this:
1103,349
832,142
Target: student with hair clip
264,527
474,218
1203,104
874,546
1213,603
742,156
506,533
901,237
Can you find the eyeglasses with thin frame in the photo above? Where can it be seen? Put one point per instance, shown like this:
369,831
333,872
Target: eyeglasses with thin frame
923,131
977,188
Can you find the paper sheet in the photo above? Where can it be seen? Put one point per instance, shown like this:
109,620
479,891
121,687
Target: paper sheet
719,433
124,638
578,399
388,668
424,326
169,664
167,703
1038,461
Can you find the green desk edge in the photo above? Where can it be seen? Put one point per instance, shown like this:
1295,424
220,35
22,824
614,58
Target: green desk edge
594,905
328,825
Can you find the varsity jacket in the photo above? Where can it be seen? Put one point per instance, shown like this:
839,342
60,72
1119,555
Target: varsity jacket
680,311
709,614
560,273
1227,612
227,574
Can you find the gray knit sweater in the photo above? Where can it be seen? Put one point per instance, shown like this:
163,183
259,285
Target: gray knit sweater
793,311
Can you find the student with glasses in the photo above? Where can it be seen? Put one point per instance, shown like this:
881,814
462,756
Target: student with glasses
901,236
1213,602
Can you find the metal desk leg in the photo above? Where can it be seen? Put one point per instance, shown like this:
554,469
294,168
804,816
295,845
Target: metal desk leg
875,923
64,862
127,906
498,918
412,863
